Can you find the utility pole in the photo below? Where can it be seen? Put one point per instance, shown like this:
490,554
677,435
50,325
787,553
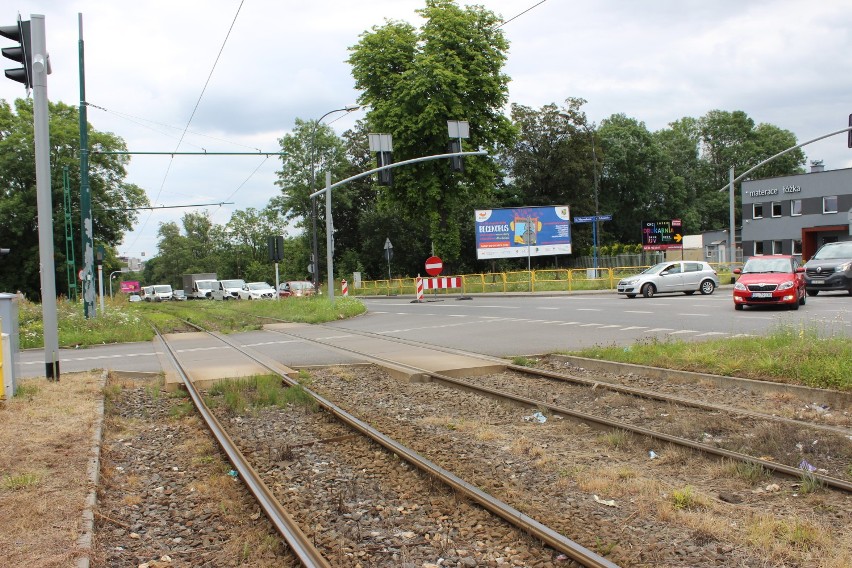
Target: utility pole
41,67
86,229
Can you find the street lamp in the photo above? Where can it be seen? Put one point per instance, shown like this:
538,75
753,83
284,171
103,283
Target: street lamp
110,280
314,249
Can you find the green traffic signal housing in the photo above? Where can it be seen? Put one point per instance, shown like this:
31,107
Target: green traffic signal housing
22,53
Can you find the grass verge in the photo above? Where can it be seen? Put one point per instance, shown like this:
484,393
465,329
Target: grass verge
123,322
788,355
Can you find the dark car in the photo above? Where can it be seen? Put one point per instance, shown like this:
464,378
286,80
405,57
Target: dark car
830,269
776,279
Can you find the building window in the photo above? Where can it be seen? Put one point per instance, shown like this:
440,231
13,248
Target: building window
829,204
758,248
795,207
797,247
776,208
777,247
757,211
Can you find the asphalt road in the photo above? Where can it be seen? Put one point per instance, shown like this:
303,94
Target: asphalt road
506,325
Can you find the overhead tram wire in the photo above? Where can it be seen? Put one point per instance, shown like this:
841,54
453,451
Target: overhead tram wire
186,128
519,15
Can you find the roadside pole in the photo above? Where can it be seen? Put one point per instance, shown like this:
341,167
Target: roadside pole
41,67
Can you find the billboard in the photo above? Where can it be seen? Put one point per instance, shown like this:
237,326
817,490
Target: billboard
662,235
130,286
523,231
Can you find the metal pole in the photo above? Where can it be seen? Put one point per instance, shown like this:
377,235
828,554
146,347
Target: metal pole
101,286
733,241
86,228
329,237
529,253
44,198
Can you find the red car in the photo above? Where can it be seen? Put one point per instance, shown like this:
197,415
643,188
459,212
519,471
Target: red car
776,279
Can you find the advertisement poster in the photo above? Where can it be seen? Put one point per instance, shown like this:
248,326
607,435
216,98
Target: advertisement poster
523,231
662,235
130,286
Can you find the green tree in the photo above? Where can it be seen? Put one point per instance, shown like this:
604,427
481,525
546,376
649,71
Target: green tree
113,200
635,182
414,81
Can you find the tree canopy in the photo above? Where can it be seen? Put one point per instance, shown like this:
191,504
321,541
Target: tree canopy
113,199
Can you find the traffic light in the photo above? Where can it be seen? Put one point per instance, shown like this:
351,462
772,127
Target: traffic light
456,162
384,159
23,53
275,245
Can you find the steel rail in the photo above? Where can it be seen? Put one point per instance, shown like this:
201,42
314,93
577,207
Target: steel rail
516,518
606,422
634,391
298,541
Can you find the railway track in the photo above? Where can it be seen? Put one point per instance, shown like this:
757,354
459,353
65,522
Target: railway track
290,530
545,396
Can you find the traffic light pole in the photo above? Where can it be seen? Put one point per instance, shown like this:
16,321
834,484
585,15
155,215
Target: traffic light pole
44,198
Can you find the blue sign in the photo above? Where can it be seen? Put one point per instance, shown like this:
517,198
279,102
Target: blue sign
523,231
592,218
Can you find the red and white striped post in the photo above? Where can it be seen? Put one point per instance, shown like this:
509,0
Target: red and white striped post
419,289
344,287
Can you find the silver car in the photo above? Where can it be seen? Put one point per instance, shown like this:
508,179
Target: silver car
687,276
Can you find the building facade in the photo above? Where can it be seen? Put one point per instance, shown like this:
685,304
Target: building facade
796,214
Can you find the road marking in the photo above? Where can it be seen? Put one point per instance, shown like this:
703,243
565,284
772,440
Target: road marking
696,315
660,329
569,323
589,310
546,308
590,325
684,331
712,333
609,326
636,312
634,327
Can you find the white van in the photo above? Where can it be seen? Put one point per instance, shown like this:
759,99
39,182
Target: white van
161,292
231,288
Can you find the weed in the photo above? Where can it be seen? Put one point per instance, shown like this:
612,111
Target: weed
27,391
809,484
604,548
752,473
616,438
684,499
521,361
182,410
20,481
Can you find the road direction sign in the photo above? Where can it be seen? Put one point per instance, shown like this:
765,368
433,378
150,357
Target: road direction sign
434,266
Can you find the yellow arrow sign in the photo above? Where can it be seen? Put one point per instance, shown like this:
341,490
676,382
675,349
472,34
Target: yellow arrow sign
678,238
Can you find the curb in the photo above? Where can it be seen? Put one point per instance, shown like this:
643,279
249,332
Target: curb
84,541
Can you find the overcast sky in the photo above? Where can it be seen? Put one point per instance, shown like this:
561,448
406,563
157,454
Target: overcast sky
783,62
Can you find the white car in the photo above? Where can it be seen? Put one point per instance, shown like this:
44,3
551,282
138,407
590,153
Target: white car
685,276
257,291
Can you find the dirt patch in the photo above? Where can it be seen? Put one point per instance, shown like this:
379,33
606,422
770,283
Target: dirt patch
45,444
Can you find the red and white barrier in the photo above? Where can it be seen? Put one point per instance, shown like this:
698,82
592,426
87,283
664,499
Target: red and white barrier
441,283
344,287
419,289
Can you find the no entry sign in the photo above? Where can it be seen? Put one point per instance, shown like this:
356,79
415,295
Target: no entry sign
434,266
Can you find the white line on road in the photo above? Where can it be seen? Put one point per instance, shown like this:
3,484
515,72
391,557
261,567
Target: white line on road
634,327
636,312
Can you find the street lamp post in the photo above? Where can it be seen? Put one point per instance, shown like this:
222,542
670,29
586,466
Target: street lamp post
314,244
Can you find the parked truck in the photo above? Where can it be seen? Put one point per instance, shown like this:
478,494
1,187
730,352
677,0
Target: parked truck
199,286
